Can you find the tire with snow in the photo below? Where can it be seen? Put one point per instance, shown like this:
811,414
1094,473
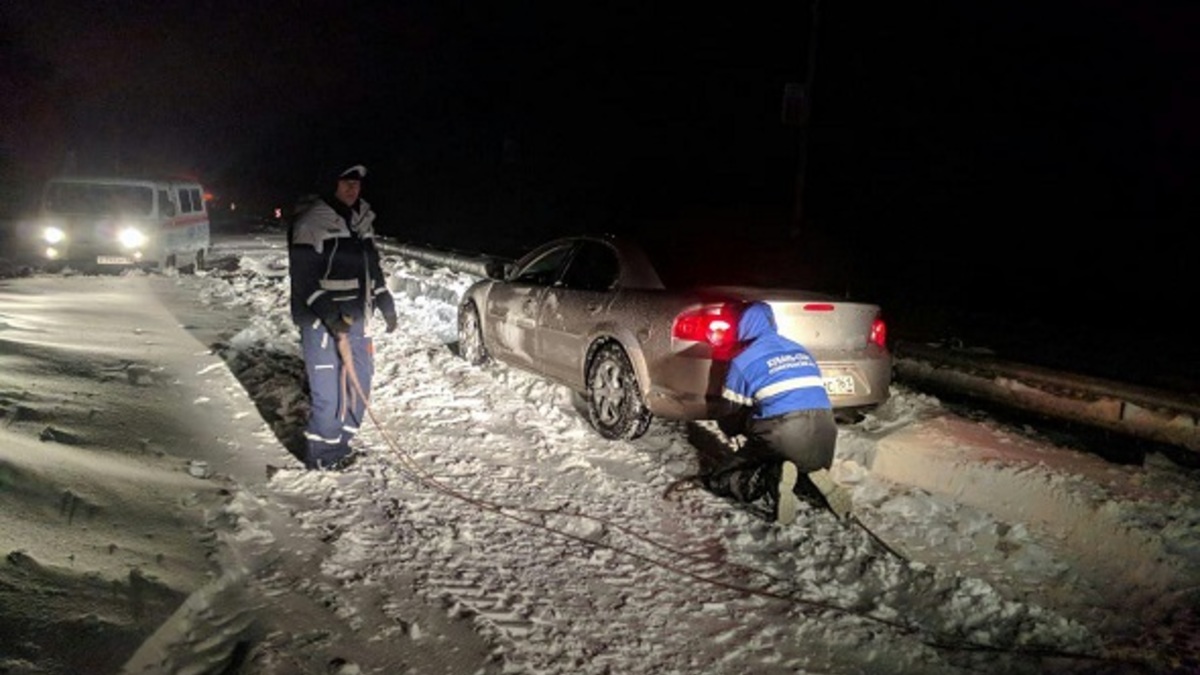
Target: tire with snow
614,400
470,335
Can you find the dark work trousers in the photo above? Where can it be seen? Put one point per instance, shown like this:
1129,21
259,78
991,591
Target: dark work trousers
807,438
337,408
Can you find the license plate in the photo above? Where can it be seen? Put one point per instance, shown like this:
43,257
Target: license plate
113,260
839,385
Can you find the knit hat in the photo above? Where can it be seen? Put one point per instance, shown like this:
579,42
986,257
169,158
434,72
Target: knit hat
356,172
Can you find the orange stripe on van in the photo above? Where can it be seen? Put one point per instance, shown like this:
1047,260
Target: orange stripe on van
184,221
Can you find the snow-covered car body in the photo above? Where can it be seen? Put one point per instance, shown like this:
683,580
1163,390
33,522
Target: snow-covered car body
591,312
106,221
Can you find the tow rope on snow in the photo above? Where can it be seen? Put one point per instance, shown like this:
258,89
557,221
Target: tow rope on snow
414,471
350,386
853,519
692,482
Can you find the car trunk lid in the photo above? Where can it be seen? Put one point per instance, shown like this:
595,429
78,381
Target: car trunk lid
823,325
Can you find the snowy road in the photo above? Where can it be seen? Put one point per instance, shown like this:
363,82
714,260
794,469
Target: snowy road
490,530
488,501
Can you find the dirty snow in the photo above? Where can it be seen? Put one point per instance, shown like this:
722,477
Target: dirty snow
154,521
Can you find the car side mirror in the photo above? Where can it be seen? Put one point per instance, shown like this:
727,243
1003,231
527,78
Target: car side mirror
498,269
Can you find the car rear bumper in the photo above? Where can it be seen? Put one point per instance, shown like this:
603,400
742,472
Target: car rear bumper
872,379
674,405
678,394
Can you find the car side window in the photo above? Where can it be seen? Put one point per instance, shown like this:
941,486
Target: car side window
594,268
544,270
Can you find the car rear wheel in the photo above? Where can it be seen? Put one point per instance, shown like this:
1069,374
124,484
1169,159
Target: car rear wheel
470,335
615,406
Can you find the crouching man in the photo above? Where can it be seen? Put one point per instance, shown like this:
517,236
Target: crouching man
788,423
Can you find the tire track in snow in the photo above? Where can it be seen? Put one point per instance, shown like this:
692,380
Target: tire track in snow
484,473
555,605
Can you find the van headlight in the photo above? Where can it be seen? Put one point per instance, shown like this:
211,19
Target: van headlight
131,237
53,235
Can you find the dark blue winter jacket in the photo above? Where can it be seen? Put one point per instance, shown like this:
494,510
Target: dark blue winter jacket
334,265
774,375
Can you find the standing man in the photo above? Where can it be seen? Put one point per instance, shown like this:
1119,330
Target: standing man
790,428
337,283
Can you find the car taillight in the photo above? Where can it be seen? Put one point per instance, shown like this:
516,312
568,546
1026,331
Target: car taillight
878,334
713,324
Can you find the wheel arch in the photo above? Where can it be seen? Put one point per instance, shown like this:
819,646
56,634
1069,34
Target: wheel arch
470,302
476,295
626,416
607,334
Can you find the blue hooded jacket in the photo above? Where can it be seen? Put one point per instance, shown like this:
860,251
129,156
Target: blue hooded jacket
774,375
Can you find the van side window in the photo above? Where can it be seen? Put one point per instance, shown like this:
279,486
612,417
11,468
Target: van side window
165,206
185,201
190,200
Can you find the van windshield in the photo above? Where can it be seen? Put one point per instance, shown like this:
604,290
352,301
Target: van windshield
99,199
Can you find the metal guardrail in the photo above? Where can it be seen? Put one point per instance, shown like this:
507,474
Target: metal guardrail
1140,412
469,263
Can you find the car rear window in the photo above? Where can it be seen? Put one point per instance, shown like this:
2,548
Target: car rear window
684,261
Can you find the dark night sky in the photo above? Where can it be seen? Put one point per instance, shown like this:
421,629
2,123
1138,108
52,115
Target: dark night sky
957,149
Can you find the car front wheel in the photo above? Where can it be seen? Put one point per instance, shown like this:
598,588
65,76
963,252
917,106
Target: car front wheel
615,406
470,335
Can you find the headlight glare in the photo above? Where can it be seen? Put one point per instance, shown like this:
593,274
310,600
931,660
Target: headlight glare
53,235
131,237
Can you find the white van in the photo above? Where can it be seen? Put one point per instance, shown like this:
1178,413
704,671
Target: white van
123,222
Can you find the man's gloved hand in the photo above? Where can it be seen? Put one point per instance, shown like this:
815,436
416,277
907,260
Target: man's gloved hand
735,422
391,321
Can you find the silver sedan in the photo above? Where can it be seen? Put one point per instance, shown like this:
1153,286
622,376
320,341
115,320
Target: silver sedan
594,313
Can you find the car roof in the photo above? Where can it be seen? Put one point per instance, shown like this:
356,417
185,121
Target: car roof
678,260
685,259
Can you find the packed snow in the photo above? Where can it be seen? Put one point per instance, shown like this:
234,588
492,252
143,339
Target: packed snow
154,520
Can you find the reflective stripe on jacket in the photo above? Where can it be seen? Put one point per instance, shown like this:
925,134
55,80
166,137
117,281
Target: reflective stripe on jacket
773,375
334,265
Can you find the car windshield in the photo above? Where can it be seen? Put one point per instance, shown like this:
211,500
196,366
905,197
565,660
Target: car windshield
544,268
99,199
